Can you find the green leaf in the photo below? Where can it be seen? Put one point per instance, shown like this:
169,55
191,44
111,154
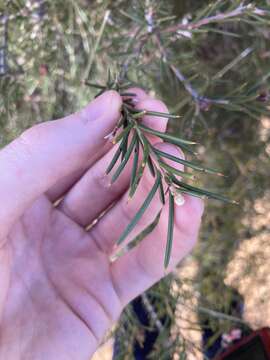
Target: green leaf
134,18
141,211
128,94
123,133
172,170
192,193
100,93
114,160
125,159
124,146
163,115
127,84
140,172
202,192
168,249
135,164
97,86
145,232
187,149
169,138
186,163
96,45
151,166
116,155
120,122
138,115
161,193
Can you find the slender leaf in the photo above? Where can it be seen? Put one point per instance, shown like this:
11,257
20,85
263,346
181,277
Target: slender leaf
187,163
135,164
140,172
124,146
172,170
116,156
138,115
160,114
114,160
161,193
192,193
202,192
187,149
125,160
169,138
151,166
120,122
168,249
97,86
145,232
127,84
128,94
141,211
96,45
123,133
100,93
135,18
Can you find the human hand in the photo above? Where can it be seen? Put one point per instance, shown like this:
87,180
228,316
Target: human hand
60,292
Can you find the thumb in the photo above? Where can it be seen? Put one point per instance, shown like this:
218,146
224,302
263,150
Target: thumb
49,151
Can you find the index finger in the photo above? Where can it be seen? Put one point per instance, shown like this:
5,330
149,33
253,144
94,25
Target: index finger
49,151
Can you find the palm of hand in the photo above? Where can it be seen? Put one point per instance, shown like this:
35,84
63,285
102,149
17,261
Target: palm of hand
61,293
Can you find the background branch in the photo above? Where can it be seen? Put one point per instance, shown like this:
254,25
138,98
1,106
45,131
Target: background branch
240,10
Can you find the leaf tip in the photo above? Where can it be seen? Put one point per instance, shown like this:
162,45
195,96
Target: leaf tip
166,264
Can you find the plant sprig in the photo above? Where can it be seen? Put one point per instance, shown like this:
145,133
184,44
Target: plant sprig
131,137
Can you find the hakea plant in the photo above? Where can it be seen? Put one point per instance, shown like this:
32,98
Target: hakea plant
131,136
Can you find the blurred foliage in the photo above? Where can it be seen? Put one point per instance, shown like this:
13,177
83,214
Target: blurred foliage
216,76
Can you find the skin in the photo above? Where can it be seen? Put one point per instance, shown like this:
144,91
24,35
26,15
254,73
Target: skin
60,292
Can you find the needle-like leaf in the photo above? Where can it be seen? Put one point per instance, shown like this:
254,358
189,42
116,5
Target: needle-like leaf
168,249
135,164
160,114
100,93
169,138
202,192
116,156
161,193
192,193
187,149
187,163
151,166
145,232
123,133
114,160
125,159
128,94
124,146
141,211
140,172
172,170
97,86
